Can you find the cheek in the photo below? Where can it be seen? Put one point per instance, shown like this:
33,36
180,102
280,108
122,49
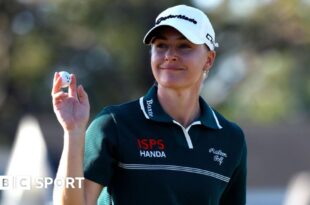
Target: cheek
154,64
199,62
155,60
194,62
197,69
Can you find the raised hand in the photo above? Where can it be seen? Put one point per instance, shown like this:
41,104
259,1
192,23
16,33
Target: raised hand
72,107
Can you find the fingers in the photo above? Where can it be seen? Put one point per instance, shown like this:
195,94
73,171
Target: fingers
56,83
83,97
72,87
59,97
77,93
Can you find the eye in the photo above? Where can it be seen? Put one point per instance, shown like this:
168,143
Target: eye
160,45
185,46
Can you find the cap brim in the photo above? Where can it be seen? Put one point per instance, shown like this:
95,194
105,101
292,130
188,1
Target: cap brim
186,32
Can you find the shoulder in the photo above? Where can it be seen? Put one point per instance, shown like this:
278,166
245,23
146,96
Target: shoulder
113,112
234,138
227,124
105,124
231,129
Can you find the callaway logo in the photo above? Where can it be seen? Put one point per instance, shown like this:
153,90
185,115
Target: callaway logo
151,148
218,155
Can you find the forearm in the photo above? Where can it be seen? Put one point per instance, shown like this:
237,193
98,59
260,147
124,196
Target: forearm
71,166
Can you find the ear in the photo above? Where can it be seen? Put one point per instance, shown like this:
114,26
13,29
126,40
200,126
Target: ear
210,60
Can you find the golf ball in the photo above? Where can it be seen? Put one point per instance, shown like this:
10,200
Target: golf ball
65,78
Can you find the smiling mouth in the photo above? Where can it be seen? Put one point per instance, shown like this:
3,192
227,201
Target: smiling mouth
171,68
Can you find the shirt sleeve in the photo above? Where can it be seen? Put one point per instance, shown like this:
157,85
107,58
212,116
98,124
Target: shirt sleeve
100,149
235,193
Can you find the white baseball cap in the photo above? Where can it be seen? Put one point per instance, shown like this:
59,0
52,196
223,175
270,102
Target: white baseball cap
189,21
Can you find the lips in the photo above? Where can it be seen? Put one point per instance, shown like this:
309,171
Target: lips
170,68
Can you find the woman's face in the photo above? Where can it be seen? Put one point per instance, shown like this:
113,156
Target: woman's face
176,62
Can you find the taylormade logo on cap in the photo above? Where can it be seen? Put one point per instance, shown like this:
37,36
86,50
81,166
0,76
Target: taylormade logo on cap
191,22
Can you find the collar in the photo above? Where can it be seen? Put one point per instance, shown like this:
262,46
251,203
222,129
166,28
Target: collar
152,110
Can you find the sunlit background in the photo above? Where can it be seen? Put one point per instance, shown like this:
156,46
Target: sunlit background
261,80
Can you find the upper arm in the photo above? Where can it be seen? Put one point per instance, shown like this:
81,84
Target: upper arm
92,191
99,157
100,149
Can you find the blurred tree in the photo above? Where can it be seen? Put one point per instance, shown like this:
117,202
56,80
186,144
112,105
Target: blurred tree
262,63
98,40
268,80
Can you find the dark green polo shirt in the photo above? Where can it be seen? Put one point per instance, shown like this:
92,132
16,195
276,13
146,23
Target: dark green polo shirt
144,157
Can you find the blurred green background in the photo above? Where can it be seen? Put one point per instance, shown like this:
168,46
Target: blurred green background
260,78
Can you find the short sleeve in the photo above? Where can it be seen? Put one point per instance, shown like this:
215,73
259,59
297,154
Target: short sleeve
100,149
235,193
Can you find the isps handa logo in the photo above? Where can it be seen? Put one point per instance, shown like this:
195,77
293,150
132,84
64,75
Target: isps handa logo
151,148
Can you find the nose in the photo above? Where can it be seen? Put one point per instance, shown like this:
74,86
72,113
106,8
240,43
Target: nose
171,55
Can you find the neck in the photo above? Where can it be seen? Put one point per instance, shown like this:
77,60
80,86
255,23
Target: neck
182,105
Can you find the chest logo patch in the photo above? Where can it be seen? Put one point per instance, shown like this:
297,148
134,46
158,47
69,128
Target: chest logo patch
151,148
218,155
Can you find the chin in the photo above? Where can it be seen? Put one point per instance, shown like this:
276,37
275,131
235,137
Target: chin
171,84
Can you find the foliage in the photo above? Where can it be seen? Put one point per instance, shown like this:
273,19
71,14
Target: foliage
101,42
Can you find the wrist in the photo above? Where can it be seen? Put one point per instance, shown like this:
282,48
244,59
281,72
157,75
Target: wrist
75,132
74,141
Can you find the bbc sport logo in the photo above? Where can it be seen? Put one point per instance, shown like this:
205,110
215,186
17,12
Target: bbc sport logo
28,182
